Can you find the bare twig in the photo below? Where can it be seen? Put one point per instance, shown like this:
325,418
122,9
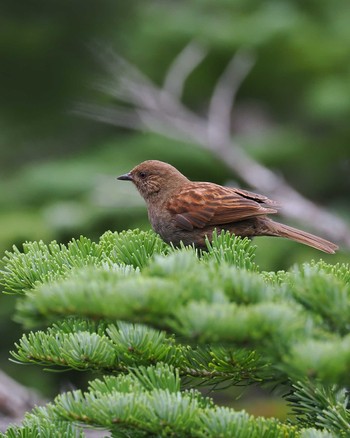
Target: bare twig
160,110
182,66
107,114
223,97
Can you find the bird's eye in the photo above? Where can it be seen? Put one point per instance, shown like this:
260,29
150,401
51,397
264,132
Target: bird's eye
142,175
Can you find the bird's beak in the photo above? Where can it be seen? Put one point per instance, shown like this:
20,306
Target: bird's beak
125,177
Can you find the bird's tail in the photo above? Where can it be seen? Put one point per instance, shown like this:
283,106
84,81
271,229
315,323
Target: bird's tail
282,230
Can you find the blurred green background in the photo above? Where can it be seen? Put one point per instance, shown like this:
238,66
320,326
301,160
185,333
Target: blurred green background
58,170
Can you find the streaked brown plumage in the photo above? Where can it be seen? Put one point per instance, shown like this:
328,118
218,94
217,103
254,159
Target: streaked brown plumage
182,210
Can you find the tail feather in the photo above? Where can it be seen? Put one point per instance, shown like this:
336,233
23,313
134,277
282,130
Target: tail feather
303,237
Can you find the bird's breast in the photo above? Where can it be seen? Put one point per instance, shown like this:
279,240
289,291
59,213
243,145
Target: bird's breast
163,223
159,218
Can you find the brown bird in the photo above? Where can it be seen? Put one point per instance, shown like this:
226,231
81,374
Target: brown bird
182,210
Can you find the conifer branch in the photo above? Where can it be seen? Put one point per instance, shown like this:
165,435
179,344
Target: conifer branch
208,318
120,348
40,263
148,403
321,406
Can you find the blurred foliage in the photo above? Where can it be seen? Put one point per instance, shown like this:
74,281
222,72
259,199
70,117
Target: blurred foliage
57,172
46,64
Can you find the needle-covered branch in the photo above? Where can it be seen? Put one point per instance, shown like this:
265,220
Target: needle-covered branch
148,403
122,347
155,320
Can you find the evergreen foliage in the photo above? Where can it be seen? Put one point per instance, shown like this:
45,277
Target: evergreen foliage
157,321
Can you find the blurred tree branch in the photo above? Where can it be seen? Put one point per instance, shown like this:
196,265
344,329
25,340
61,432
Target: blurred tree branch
15,400
142,105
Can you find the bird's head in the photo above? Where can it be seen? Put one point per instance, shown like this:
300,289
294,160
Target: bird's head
155,178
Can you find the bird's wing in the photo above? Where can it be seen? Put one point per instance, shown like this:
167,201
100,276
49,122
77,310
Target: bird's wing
200,204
